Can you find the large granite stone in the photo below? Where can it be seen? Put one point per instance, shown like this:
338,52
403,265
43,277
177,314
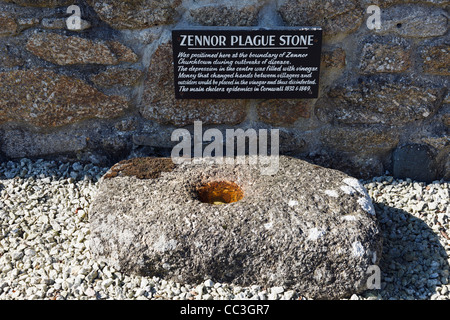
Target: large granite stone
361,140
334,17
117,77
376,100
65,50
414,21
385,58
136,14
305,227
46,99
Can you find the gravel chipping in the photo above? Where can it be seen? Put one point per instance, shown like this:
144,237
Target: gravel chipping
44,241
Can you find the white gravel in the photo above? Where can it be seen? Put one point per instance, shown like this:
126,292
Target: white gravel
44,241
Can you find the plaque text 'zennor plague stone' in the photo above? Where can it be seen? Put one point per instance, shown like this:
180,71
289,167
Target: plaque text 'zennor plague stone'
247,63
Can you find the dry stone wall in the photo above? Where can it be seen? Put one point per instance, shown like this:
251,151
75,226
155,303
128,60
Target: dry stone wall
106,93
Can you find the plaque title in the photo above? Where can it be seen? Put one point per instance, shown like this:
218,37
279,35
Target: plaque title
245,41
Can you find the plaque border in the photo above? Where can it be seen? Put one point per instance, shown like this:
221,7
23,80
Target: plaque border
238,95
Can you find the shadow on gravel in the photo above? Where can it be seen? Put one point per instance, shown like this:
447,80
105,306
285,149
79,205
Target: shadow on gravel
413,263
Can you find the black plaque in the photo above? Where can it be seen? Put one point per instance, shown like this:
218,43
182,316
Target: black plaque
247,63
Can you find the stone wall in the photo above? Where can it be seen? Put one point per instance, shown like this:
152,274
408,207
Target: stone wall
105,93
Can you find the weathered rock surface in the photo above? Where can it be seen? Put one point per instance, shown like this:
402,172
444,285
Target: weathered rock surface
379,101
277,111
388,3
8,25
223,15
366,140
136,14
446,120
417,22
385,58
69,50
305,227
159,102
436,59
46,99
331,59
117,77
41,3
122,52
334,17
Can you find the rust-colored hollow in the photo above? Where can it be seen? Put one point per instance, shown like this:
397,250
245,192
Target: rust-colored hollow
220,192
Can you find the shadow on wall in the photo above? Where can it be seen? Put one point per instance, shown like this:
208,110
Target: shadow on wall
358,167
416,162
413,263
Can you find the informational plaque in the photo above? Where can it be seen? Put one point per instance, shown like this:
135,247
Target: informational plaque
247,63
